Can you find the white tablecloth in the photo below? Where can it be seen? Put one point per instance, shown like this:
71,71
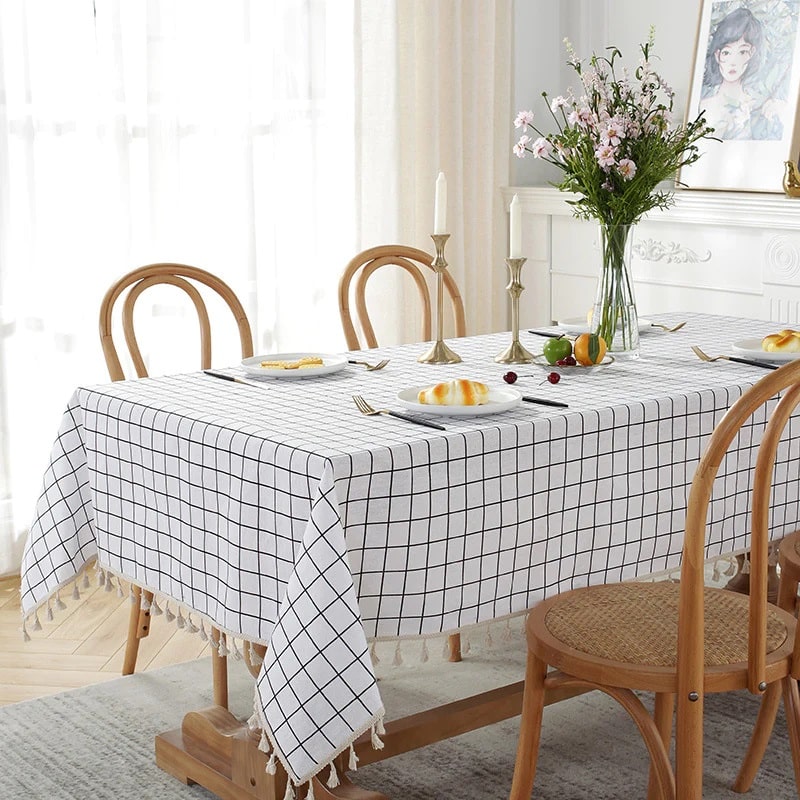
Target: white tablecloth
282,515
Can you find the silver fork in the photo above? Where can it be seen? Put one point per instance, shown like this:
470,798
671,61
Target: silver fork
666,327
365,408
705,357
370,367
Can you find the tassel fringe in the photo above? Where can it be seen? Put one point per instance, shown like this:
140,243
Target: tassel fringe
333,778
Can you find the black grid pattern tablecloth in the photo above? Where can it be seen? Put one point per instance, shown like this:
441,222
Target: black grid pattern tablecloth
281,514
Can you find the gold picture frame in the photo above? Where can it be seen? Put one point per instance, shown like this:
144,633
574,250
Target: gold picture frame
746,79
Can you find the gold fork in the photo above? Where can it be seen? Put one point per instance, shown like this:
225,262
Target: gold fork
705,357
365,408
370,367
666,327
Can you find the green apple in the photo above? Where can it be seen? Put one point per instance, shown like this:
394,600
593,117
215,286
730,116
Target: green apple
556,349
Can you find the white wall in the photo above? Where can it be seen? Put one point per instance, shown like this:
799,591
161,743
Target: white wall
592,25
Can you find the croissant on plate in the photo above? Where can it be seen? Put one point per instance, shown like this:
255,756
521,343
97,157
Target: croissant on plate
786,341
458,392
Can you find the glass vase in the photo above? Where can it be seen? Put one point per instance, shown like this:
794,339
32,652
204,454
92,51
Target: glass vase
614,311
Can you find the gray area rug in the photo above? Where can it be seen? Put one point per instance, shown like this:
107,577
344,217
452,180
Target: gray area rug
97,743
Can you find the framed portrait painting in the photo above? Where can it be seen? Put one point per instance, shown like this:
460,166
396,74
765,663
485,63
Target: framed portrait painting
746,79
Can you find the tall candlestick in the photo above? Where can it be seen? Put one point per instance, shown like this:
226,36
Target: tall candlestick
440,206
514,229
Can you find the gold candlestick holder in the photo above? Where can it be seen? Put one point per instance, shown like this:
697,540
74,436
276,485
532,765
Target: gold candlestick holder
440,353
515,353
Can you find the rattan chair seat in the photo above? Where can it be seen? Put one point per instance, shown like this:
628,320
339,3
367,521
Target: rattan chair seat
637,623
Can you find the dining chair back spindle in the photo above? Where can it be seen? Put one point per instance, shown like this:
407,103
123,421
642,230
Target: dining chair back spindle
195,282
416,263
680,640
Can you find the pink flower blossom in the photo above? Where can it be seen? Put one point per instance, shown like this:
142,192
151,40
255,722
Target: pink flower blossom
524,119
558,102
613,133
520,147
541,148
605,155
626,168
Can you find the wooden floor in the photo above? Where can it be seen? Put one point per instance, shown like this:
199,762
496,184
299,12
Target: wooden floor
84,644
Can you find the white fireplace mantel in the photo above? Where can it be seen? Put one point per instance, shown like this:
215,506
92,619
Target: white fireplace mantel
729,253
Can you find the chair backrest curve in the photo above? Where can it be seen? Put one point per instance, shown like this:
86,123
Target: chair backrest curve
691,611
182,277
364,265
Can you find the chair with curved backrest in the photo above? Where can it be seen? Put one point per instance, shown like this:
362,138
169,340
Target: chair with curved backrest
630,636
365,264
135,282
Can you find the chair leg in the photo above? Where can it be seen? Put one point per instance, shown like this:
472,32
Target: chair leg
454,641
787,593
219,670
138,628
791,704
762,730
530,729
662,716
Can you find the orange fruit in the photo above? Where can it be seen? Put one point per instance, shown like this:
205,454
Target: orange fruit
589,348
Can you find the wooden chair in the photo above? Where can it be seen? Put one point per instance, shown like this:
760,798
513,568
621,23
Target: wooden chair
135,282
681,640
364,265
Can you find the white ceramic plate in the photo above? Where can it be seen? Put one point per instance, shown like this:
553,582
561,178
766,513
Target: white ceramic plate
751,348
500,399
580,325
330,363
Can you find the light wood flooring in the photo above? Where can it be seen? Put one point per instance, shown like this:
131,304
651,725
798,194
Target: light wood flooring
84,644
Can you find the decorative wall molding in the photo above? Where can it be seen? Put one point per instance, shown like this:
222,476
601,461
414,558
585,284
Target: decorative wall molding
739,209
671,252
737,253
783,257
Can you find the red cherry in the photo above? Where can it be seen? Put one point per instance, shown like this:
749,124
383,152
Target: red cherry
554,377
570,361
562,362
510,377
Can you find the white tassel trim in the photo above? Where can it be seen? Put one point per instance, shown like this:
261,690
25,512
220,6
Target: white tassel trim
289,795
263,744
398,656
333,778
377,744
272,765
310,792
352,762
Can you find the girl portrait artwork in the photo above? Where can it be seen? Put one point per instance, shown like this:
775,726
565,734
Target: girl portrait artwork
745,80
746,77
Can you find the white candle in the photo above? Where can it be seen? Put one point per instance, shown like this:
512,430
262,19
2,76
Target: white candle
440,206
514,229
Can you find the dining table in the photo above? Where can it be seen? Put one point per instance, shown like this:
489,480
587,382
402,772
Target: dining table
274,510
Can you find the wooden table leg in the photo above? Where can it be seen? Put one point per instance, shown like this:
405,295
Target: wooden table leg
216,750
213,748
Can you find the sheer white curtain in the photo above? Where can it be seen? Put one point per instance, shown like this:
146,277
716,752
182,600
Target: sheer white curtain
440,100
217,133
267,141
